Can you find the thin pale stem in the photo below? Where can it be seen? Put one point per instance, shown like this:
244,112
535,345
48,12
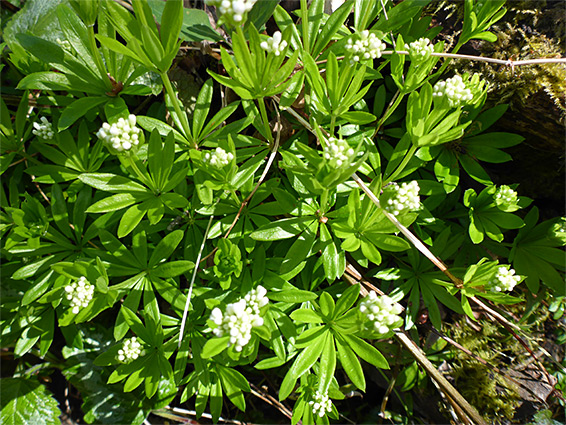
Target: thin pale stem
507,62
193,277
412,238
446,387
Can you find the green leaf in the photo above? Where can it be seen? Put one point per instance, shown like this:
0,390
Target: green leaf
116,202
327,364
173,268
347,299
301,365
171,23
111,183
149,124
300,249
332,26
165,247
78,109
215,346
351,364
327,305
366,351
292,296
305,315
26,401
281,229
131,219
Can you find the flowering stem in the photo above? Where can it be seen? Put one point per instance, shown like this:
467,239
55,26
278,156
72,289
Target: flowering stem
395,102
131,162
265,120
401,166
177,106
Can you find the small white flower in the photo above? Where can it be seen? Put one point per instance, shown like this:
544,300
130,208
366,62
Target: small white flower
364,46
274,44
396,199
240,317
321,404
64,44
79,293
233,11
420,49
454,90
44,129
218,158
121,136
131,350
504,280
382,311
505,196
338,153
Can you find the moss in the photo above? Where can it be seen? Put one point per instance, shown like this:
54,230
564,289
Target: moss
494,396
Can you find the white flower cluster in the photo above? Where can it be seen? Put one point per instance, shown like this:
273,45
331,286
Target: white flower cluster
131,350
505,196
367,46
122,135
321,404
454,90
274,44
79,293
240,317
232,10
218,158
399,198
338,152
504,280
420,49
382,311
43,130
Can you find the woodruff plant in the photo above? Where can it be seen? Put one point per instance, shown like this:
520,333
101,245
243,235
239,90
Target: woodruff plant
180,254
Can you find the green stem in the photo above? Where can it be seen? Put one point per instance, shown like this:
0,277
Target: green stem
332,123
443,67
402,165
143,178
265,120
395,102
177,106
97,58
324,201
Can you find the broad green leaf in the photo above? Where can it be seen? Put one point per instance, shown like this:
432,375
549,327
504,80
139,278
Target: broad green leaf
78,109
111,183
215,346
282,229
173,268
366,351
165,247
351,364
327,364
301,365
292,296
305,315
26,401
